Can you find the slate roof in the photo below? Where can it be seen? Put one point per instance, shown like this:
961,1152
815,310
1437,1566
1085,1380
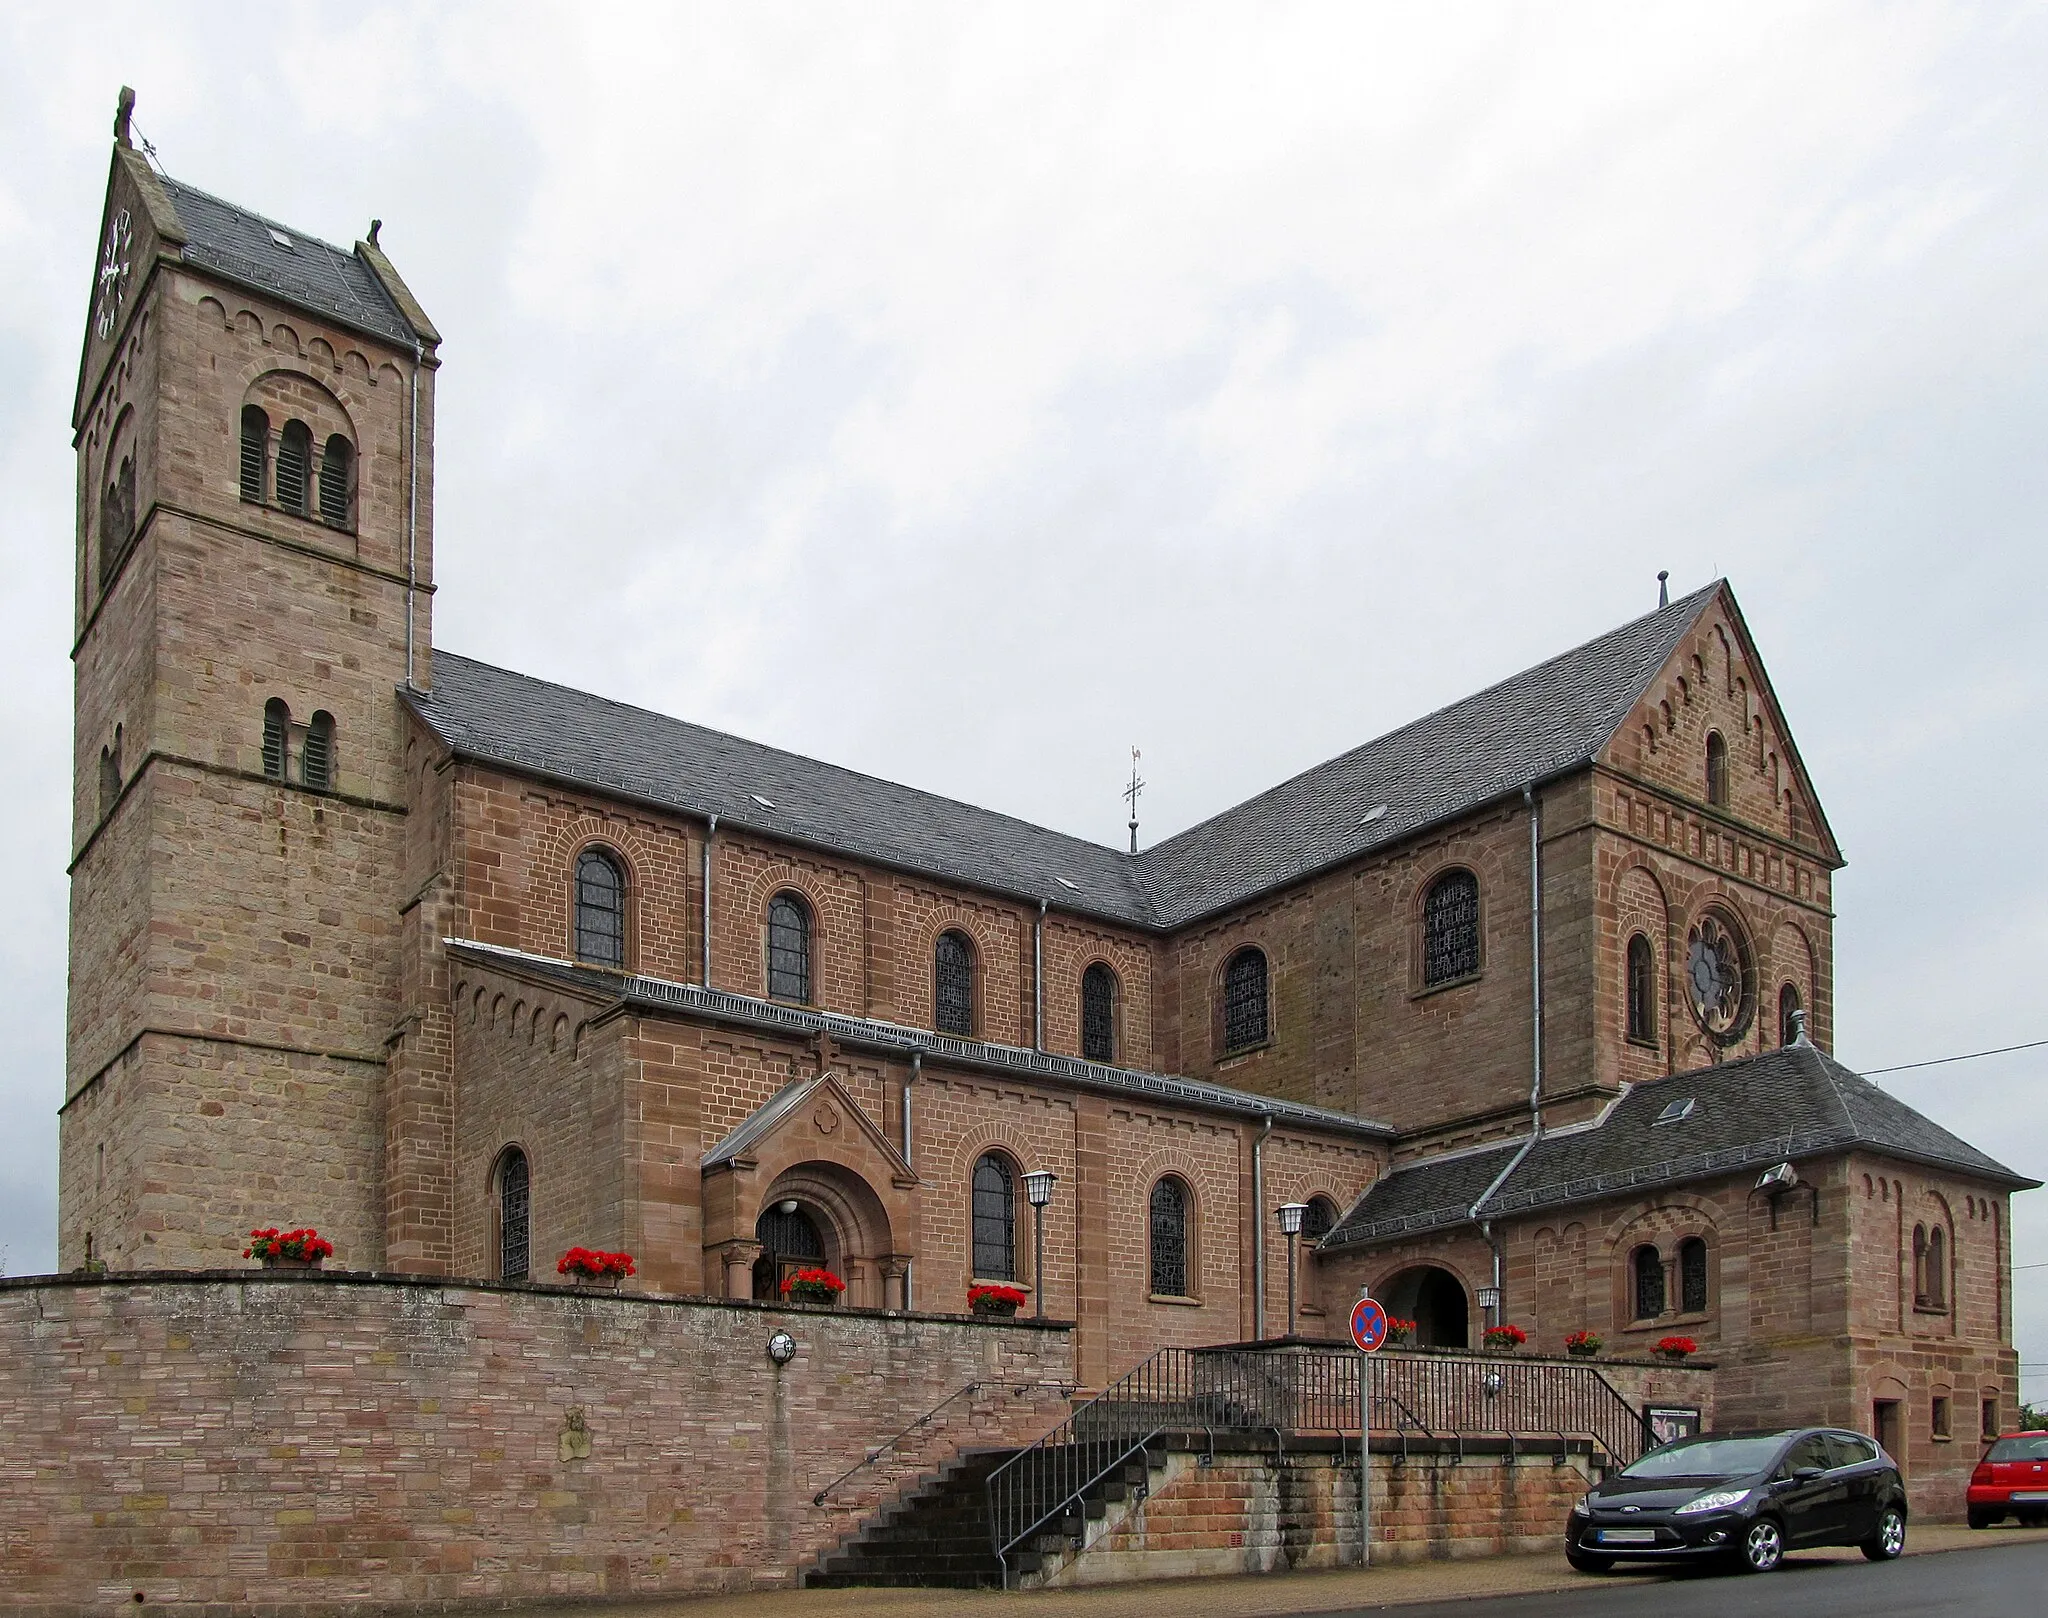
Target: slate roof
238,245
660,995
1785,1105
1538,724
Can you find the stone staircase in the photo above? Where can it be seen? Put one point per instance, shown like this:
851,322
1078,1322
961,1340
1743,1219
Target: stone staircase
936,1534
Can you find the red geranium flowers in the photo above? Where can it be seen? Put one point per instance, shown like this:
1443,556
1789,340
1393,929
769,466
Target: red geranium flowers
300,1244
978,1296
588,1261
1677,1347
812,1286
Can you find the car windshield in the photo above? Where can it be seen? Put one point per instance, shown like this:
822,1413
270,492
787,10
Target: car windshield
1706,1458
2019,1449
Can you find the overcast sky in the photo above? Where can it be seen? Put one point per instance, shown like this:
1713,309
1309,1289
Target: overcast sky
966,395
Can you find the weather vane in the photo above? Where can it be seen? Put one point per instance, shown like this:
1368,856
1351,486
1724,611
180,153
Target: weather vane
1131,792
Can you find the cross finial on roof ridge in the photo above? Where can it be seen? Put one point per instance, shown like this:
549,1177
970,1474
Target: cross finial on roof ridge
124,113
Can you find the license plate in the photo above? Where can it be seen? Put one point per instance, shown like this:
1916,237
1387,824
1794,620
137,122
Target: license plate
1628,1536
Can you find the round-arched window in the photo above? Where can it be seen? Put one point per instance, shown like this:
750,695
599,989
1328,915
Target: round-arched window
1450,929
1169,1238
789,948
1642,990
1245,1019
953,985
1646,1272
995,1219
600,909
515,1215
1098,1014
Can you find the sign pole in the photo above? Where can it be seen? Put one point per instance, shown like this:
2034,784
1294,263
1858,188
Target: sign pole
1368,1332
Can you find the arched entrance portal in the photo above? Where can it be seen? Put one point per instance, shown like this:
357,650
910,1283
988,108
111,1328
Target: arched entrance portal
1434,1299
789,1242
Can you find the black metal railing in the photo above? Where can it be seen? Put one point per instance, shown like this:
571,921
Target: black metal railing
1182,1390
1043,1390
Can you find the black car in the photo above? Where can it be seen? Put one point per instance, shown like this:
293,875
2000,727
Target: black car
1743,1499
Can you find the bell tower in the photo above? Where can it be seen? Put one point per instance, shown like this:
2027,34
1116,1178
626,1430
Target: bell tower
253,587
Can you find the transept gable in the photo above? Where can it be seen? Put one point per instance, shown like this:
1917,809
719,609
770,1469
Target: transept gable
811,1117
1713,689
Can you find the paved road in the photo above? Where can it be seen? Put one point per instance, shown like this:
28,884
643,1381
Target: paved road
2003,1582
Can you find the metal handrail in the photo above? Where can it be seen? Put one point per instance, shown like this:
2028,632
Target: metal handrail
1061,1390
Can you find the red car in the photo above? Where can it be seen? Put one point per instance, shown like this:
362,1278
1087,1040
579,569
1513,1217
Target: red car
2011,1481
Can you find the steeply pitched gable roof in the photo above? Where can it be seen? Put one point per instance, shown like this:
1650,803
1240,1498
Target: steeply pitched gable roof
244,247
1787,1104
1539,724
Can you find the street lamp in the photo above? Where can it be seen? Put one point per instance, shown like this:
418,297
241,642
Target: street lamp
1291,1214
1489,1304
1038,1186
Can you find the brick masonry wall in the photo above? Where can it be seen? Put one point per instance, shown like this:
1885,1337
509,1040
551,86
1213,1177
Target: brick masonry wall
306,1444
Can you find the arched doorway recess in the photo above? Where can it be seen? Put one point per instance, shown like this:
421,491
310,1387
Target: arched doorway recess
824,1214
1435,1300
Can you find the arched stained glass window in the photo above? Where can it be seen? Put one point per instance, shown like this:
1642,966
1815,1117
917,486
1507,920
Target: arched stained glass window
277,731
337,480
1647,1272
1717,769
1169,1245
953,985
995,1219
1320,1219
1789,1009
1098,1014
789,948
316,759
294,466
600,909
255,452
515,1203
1245,1019
1450,928
1692,1276
1642,990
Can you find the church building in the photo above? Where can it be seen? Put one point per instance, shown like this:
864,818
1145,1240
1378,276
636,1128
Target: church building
1526,1007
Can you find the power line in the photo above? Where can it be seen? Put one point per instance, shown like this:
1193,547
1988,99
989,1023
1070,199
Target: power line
1967,1056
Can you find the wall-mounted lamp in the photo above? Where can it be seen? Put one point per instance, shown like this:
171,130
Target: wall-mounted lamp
786,1206
782,1348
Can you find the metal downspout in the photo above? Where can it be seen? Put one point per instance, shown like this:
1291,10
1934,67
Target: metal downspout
1038,977
1259,1230
1535,955
710,832
909,1084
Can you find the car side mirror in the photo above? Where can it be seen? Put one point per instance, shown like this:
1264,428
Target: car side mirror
1806,1474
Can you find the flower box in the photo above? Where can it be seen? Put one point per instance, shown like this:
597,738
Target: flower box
995,1300
1503,1339
1675,1348
1583,1345
1400,1333
588,1267
288,1249
812,1286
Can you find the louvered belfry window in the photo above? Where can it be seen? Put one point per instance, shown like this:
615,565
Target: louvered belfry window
255,452
117,519
277,730
1245,1022
1788,1014
1098,1014
515,1216
1692,1276
337,475
1170,1238
1450,929
1642,989
995,1219
1648,1266
294,466
789,948
953,985
316,761
600,909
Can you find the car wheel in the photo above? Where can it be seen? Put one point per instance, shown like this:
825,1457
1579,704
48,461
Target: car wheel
1762,1548
1984,1519
1583,1563
1890,1539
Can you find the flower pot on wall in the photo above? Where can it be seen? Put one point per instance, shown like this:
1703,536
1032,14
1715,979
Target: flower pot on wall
278,1261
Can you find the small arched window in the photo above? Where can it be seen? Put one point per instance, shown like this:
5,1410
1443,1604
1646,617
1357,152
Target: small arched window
953,985
1169,1245
600,909
1920,1265
1450,929
995,1219
1717,770
337,480
1245,1019
294,466
117,516
1646,1271
277,732
1692,1276
110,774
1937,1268
255,452
1789,1010
789,948
515,1215
1642,990
316,755
1098,1014
1319,1220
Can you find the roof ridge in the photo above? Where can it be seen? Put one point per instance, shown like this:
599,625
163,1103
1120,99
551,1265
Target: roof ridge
265,220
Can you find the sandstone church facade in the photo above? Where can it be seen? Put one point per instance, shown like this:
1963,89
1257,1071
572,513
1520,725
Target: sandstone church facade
465,968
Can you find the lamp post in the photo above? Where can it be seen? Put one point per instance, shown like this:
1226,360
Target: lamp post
1038,1186
1291,1214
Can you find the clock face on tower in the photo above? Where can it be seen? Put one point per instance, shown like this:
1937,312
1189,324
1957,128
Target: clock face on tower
113,275
1719,980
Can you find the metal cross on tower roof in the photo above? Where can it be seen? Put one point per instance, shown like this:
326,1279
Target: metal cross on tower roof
1131,792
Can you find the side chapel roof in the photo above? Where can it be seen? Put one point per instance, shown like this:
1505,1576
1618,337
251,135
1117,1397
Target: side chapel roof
1785,1105
1533,726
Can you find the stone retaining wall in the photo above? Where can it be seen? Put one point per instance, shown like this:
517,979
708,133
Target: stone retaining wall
307,1443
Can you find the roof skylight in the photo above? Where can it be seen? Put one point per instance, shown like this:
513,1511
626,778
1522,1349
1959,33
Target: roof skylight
1071,887
1678,1111
763,802
282,239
